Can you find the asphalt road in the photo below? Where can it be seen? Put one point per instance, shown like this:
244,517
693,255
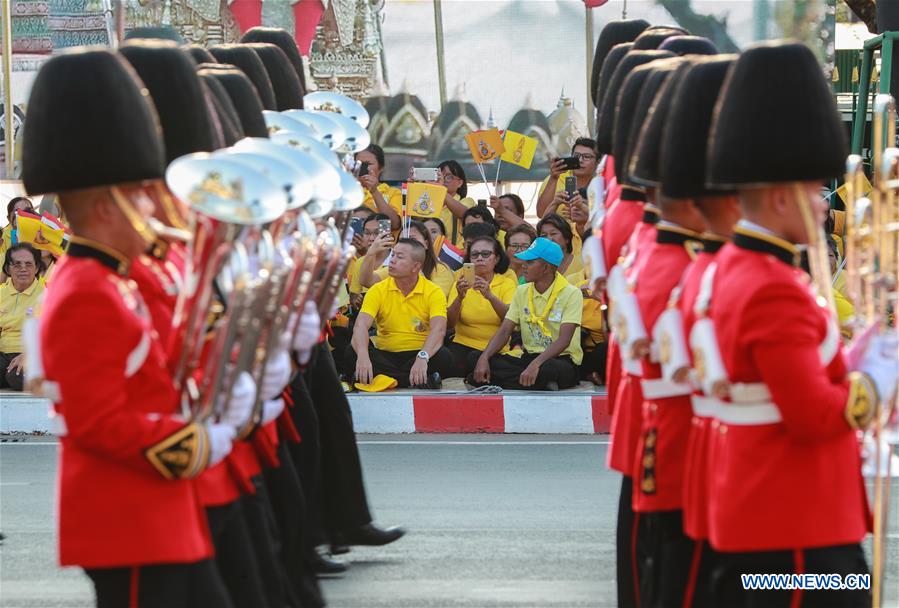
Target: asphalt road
494,521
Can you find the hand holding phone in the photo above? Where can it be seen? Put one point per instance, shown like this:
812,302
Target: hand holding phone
426,174
571,163
570,185
384,227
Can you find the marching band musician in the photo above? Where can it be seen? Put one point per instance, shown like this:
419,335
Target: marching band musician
786,494
129,510
682,176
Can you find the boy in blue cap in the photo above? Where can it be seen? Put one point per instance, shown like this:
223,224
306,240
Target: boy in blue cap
547,310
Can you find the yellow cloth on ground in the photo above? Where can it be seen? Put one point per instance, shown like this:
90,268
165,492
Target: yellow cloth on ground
15,306
378,384
403,321
565,305
478,321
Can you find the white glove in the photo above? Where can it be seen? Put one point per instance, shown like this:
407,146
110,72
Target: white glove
221,438
304,355
881,364
271,409
276,375
243,397
309,328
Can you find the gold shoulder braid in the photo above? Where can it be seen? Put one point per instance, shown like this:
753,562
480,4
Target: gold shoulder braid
182,455
863,400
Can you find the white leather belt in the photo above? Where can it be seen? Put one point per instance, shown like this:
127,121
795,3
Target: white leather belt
707,407
745,414
662,389
752,392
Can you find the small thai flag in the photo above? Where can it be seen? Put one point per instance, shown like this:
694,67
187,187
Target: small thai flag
451,256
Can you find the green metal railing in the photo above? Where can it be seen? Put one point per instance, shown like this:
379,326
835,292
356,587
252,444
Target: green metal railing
884,42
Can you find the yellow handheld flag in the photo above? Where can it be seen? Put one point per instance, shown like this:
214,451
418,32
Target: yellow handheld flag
424,200
520,149
486,145
867,187
43,232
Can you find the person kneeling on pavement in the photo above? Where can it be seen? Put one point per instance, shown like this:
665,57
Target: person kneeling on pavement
409,313
547,309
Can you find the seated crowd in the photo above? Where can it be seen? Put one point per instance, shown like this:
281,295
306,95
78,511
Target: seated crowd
518,314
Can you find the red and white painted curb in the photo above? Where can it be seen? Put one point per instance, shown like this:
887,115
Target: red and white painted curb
510,413
517,412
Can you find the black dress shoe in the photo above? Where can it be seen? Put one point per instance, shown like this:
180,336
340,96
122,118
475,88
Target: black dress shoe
370,535
322,564
339,549
434,381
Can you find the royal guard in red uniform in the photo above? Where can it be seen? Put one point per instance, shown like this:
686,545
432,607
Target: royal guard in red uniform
128,506
786,493
682,177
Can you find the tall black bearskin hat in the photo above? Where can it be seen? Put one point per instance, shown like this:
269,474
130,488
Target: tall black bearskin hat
689,45
615,32
229,120
246,59
607,114
605,77
636,93
181,104
775,121
288,90
200,54
654,36
650,122
243,96
89,95
683,151
283,40
155,33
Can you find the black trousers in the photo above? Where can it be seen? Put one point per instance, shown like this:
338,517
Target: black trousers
506,369
664,557
624,539
698,593
285,494
10,379
234,556
595,361
727,588
266,547
398,365
196,585
464,359
344,506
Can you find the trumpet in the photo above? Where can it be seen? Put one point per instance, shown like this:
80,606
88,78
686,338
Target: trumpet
872,268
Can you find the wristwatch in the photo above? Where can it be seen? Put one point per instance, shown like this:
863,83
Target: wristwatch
423,355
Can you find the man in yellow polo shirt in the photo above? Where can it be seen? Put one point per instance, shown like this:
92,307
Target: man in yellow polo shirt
547,309
409,313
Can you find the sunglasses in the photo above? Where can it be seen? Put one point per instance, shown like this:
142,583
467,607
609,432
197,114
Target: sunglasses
474,255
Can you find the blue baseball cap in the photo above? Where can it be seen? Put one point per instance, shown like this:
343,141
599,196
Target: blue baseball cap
542,249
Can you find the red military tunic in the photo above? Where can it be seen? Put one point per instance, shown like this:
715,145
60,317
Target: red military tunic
666,409
113,401
791,480
625,426
623,215
610,179
697,462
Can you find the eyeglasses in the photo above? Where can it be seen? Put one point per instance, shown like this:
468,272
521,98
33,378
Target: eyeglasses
474,255
582,156
448,178
371,233
518,246
26,265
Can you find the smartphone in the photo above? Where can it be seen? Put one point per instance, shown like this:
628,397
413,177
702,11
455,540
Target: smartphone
583,193
356,224
468,273
427,174
571,162
363,169
482,202
384,227
570,185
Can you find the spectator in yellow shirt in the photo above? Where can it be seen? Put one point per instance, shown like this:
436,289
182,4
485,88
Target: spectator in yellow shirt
556,229
477,309
372,269
518,238
379,197
19,298
409,314
547,309
508,209
552,198
457,202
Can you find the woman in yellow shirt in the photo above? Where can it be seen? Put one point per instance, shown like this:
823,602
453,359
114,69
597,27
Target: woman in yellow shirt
456,203
477,309
372,268
19,298
556,229
379,197
518,238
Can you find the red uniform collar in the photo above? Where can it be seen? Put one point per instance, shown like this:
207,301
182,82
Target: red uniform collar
80,247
